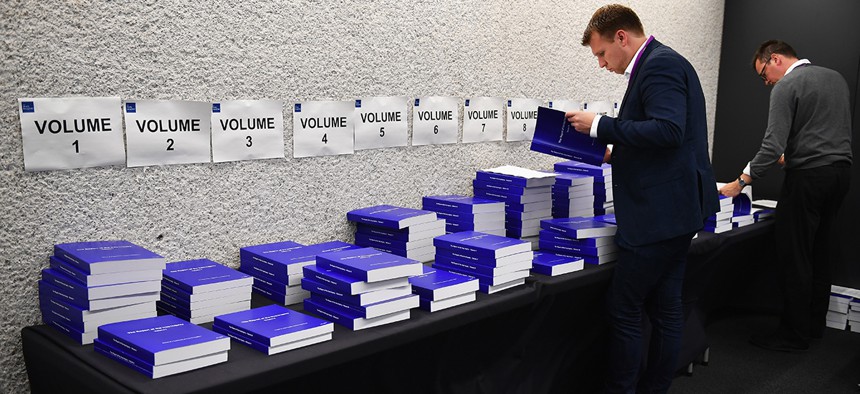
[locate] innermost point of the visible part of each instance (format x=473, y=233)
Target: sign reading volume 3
x=167, y=132
x=247, y=130
x=322, y=128
x=73, y=132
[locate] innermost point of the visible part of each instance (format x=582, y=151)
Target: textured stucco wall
x=296, y=50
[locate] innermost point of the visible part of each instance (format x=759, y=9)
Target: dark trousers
x=808, y=204
x=648, y=278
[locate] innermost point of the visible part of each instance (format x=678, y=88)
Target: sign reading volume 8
x=73, y=132
x=167, y=132
x=322, y=128
x=482, y=119
x=247, y=130
x=522, y=116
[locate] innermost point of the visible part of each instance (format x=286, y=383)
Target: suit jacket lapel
x=637, y=75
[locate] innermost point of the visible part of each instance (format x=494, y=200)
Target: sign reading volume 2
x=167, y=132
x=72, y=132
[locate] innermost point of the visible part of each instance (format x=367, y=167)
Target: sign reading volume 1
x=435, y=120
x=72, y=132
x=322, y=128
x=167, y=132
x=522, y=115
x=483, y=119
x=381, y=122
x=247, y=130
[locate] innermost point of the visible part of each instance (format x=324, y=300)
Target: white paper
x=522, y=116
x=435, y=120
x=520, y=172
x=381, y=122
x=600, y=107
x=247, y=130
x=71, y=132
x=565, y=105
x=167, y=132
x=323, y=128
x=483, y=119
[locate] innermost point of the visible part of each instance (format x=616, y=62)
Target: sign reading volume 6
x=247, y=130
x=167, y=132
x=435, y=120
x=72, y=132
x=482, y=119
x=322, y=128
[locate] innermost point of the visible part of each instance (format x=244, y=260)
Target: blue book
x=113, y=278
x=508, y=188
x=488, y=280
x=279, y=296
x=270, y=257
x=82, y=293
x=511, y=198
x=608, y=218
x=75, y=317
x=437, y=284
x=157, y=371
x=576, y=167
x=516, y=215
x=391, y=244
x=484, y=260
x=338, y=281
x=742, y=204
x=372, y=310
x=321, y=289
x=290, y=262
x=102, y=257
x=203, y=275
x=464, y=204
x=579, y=227
x=81, y=337
x=389, y=216
x=455, y=227
x=553, y=236
x=273, y=325
x=369, y=265
x=515, y=180
x=475, y=269
x=481, y=244
x=350, y=318
x=445, y=303
x=270, y=350
x=162, y=339
x=472, y=218
x=576, y=249
x=555, y=136
x=573, y=179
x=48, y=290
x=428, y=230
x=528, y=207
x=490, y=289
x=552, y=264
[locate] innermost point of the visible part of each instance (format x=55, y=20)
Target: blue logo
x=417, y=101
x=130, y=108
x=467, y=102
x=216, y=108
x=550, y=104
x=357, y=103
x=298, y=107
x=509, y=103
x=585, y=106
x=28, y=107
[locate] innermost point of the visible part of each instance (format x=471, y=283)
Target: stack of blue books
x=572, y=195
x=499, y=263
x=440, y=289
x=93, y=283
x=277, y=267
x=402, y=231
x=199, y=290
x=742, y=214
x=361, y=288
x=591, y=239
x=721, y=221
x=162, y=346
x=273, y=329
x=763, y=209
x=527, y=195
x=463, y=213
x=601, y=189
x=551, y=264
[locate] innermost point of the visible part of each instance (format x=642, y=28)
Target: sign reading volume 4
x=74, y=132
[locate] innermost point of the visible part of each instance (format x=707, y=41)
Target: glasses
x=761, y=74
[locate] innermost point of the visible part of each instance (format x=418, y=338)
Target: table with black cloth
x=546, y=336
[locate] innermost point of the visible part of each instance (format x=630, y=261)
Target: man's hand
x=607, y=155
x=731, y=189
x=781, y=160
x=581, y=121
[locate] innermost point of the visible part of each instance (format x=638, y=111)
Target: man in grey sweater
x=809, y=121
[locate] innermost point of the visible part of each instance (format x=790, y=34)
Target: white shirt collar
x=629, y=68
x=797, y=64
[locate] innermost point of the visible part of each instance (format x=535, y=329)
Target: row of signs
x=65, y=133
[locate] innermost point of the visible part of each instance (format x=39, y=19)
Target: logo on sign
x=28, y=107
x=298, y=107
x=130, y=108
x=550, y=104
x=467, y=102
x=216, y=108
x=417, y=101
x=509, y=103
x=357, y=103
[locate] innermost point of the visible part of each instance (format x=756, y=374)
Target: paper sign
x=522, y=115
x=72, y=132
x=381, y=122
x=483, y=119
x=322, y=128
x=167, y=132
x=565, y=105
x=600, y=107
x=435, y=120
x=247, y=130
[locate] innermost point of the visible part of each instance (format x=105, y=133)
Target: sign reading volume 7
x=247, y=130
x=167, y=132
x=72, y=132
x=322, y=128
x=482, y=119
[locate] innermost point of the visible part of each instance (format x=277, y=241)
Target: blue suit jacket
x=663, y=183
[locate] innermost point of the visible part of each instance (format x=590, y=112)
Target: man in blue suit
x=664, y=190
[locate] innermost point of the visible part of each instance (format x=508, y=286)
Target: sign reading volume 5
x=71, y=132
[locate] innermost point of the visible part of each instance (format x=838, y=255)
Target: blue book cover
x=338, y=281
x=389, y=216
x=436, y=284
x=455, y=227
x=528, y=207
x=156, y=371
x=485, y=279
x=579, y=227
x=291, y=260
x=407, y=234
x=553, y=236
x=81, y=293
x=571, y=248
x=99, y=257
x=204, y=275
x=268, y=257
x=555, y=136
x=742, y=204
x=470, y=217
x=83, y=338
x=505, y=188
x=369, y=265
x=552, y=264
x=273, y=325
x=471, y=268
x=575, y=167
x=481, y=244
x=162, y=339
x=322, y=289
x=573, y=179
x=348, y=317
x=464, y=204
x=114, y=278
x=499, y=196
x=387, y=243
x=372, y=310
x=608, y=218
